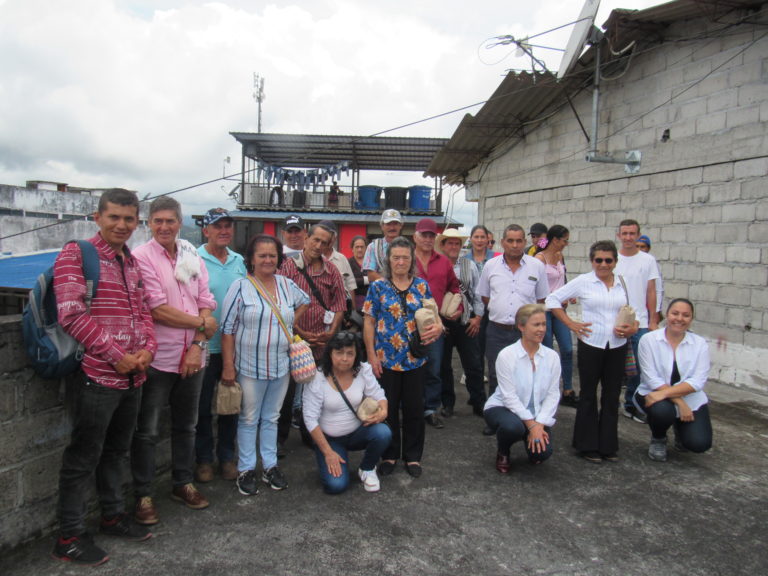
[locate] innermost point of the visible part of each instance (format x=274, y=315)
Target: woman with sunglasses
x=331, y=403
x=602, y=351
x=389, y=331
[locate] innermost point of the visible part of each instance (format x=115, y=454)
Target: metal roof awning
x=363, y=152
x=312, y=217
x=21, y=272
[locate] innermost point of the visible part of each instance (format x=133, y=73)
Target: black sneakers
x=274, y=478
x=246, y=483
x=124, y=527
x=80, y=550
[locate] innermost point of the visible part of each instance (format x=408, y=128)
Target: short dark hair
x=320, y=226
x=603, y=246
x=630, y=222
x=119, y=196
x=477, y=227
x=355, y=239
x=262, y=239
x=399, y=242
x=165, y=203
x=684, y=301
x=513, y=228
x=338, y=341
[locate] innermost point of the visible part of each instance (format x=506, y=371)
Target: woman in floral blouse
x=389, y=331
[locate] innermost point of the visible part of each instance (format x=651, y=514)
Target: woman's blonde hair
x=526, y=311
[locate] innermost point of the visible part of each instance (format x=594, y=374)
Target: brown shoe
x=502, y=463
x=189, y=495
x=229, y=470
x=204, y=473
x=145, y=512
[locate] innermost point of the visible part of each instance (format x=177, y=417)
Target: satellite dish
x=578, y=37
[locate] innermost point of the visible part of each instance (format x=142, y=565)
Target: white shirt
x=599, y=306
x=507, y=291
x=656, y=358
x=342, y=265
x=324, y=406
x=637, y=271
x=517, y=380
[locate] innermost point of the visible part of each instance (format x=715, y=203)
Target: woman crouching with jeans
x=331, y=403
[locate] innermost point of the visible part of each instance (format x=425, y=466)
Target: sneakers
x=229, y=470
x=570, y=400
x=296, y=418
x=246, y=483
x=145, y=512
x=189, y=496
x=80, y=550
x=204, y=473
x=657, y=449
x=634, y=414
x=434, y=421
x=274, y=479
x=124, y=527
x=369, y=479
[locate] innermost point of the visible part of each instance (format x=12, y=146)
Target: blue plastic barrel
x=418, y=197
x=369, y=196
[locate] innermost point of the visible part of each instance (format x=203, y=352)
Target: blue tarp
x=20, y=272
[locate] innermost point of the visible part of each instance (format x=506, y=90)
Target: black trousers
x=405, y=392
x=471, y=361
x=695, y=436
x=597, y=430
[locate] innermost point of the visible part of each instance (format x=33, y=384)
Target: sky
x=142, y=94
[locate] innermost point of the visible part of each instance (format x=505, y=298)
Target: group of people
x=169, y=321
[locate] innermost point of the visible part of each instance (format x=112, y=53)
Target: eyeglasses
x=606, y=260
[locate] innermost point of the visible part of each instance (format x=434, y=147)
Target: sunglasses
x=345, y=338
x=606, y=260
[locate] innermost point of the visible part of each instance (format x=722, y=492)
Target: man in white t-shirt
x=640, y=272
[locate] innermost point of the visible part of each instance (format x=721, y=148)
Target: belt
x=508, y=327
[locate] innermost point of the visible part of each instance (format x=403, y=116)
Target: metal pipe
x=595, y=103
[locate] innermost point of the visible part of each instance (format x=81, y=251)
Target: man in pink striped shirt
x=181, y=304
x=119, y=341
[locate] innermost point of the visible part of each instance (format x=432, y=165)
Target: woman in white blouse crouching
x=524, y=403
x=674, y=366
x=333, y=422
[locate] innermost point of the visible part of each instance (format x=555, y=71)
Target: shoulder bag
x=368, y=407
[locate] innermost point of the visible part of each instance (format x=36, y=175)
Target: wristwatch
x=202, y=343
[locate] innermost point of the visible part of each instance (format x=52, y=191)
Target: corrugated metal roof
x=523, y=100
x=314, y=217
x=363, y=152
x=20, y=272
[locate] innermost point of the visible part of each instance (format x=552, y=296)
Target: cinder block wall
x=702, y=196
x=34, y=430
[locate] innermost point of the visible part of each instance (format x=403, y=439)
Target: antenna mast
x=258, y=93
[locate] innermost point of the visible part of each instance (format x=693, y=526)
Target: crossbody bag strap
x=312, y=286
x=263, y=293
x=623, y=285
x=344, y=396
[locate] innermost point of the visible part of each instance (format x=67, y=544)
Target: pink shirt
x=162, y=287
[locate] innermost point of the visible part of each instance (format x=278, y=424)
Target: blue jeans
x=496, y=339
x=227, y=424
x=373, y=439
x=103, y=420
x=471, y=361
x=183, y=395
x=557, y=329
x=634, y=381
x=510, y=429
x=258, y=416
x=433, y=385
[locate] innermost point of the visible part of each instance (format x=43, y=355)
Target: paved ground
x=695, y=514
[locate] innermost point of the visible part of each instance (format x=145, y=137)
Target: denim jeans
x=258, y=417
x=103, y=420
x=373, y=439
x=696, y=436
x=496, y=339
x=183, y=395
x=433, y=385
x=557, y=329
x=634, y=381
x=226, y=424
x=468, y=348
x=510, y=429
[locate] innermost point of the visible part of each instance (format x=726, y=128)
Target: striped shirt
x=261, y=345
x=599, y=306
x=119, y=321
x=329, y=284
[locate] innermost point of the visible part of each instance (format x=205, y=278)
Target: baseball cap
x=538, y=229
x=391, y=215
x=214, y=215
x=426, y=225
x=645, y=240
x=328, y=224
x=294, y=221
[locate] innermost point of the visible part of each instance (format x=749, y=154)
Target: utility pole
x=258, y=94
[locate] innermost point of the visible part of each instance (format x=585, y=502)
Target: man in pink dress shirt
x=176, y=282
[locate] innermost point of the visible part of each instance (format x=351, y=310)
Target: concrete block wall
x=35, y=428
x=702, y=196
